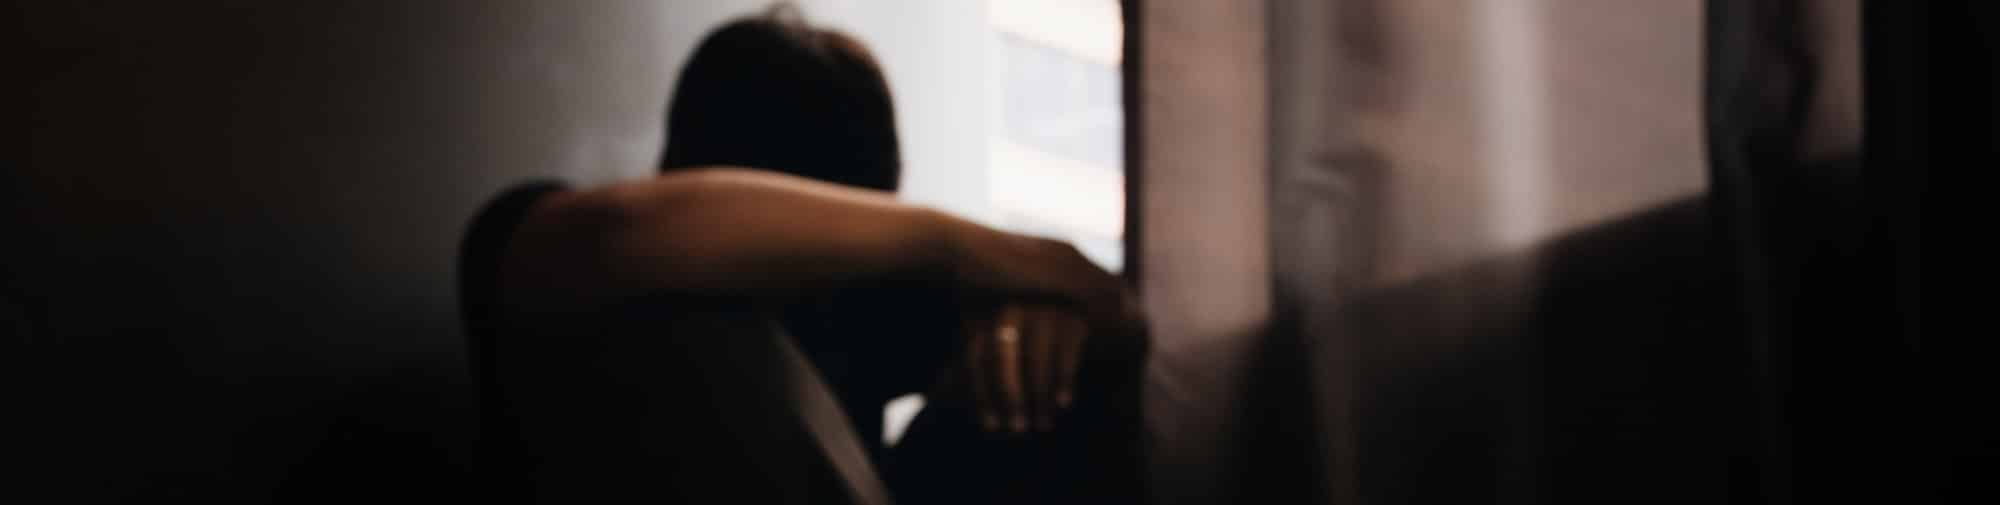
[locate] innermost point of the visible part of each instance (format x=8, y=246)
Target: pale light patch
x=896, y=417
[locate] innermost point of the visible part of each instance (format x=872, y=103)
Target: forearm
x=759, y=233
x=735, y=233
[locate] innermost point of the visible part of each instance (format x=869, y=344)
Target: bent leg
x=683, y=406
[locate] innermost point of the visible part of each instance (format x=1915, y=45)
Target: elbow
x=633, y=238
x=579, y=237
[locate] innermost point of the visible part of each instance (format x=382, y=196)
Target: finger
x=1041, y=365
x=978, y=359
x=1069, y=353
x=1007, y=348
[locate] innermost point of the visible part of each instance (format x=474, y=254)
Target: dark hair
x=770, y=92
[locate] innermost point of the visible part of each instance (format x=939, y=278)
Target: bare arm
x=747, y=233
x=758, y=236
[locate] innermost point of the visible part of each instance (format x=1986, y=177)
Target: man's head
x=771, y=92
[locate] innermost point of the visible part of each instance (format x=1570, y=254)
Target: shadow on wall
x=1582, y=382
x=236, y=220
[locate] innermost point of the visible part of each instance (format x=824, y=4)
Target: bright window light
x=1056, y=159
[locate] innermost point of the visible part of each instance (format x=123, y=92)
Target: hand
x=1006, y=267
x=1034, y=303
x=1021, y=365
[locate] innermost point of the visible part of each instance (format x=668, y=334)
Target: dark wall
x=1586, y=370
x=230, y=228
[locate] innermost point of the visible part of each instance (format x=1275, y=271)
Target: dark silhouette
x=624, y=335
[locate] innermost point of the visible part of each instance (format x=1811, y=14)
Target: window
x=1056, y=157
x=1056, y=164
